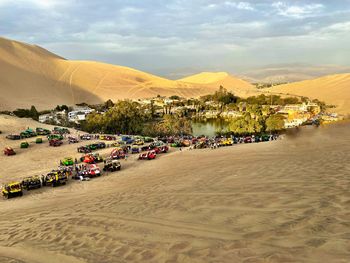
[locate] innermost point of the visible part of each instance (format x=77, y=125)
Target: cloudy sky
x=179, y=37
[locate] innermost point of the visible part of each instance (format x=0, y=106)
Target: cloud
x=297, y=11
x=222, y=34
x=42, y=4
x=240, y=5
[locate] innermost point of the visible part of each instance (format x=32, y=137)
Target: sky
x=173, y=38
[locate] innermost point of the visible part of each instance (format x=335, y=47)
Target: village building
x=79, y=114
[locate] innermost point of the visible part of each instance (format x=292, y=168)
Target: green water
x=208, y=127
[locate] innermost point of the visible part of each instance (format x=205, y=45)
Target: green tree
x=34, y=113
x=274, y=123
x=109, y=104
x=174, y=97
x=170, y=125
x=245, y=125
x=94, y=123
x=223, y=97
x=125, y=117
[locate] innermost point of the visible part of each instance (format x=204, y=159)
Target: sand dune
x=333, y=89
x=238, y=205
x=31, y=75
x=217, y=79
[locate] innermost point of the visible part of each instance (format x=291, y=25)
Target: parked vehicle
x=72, y=140
x=116, y=144
x=42, y=131
x=117, y=153
x=97, y=157
x=186, y=143
x=12, y=189
x=61, y=130
x=101, y=145
x=32, y=182
x=138, y=142
x=145, y=148
x=148, y=155
x=13, y=137
x=86, y=137
x=67, y=161
x=39, y=140
x=127, y=139
x=135, y=150
x=112, y=165
x=55, y=178
x=226, y=142
x=163, y=149
x=28, y=133
x=83, y=149
x=148, y=139
x=9, y=151
x=24, y=145
x=107, y=137
x=92, y=171
x=55, y=143
x=176, y=144
x=55, y=137
x=88, y=158
x=92, y=147
x=247, y=140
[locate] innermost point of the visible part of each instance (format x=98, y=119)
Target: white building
x=45, y=117
x=79, y=114
x=52, y=116
x=294, y=123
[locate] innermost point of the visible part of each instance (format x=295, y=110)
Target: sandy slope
x=333, y=89
x=217, y=79
x=228, y=205
x=30, y=75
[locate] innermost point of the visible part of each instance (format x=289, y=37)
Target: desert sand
x=284, y=201
x=333, y=89
x=31, y=75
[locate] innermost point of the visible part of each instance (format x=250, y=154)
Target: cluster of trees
x=222, y=97
x=124, y=117
x=127, y=117
x=62, y=108
x=170, y=125
x=271, y=100
x=256, y=122
x=268, y=85
x=27, y=113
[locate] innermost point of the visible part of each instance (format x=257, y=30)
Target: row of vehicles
x=91, y=147
x=29, y=133
x=54, y=178
x=58, y=177
x=203, y=142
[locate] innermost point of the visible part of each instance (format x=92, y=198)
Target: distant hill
x=332, y=89
x=291, y=72
x=31, y=75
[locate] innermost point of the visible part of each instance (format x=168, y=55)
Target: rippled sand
x=286, y=201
